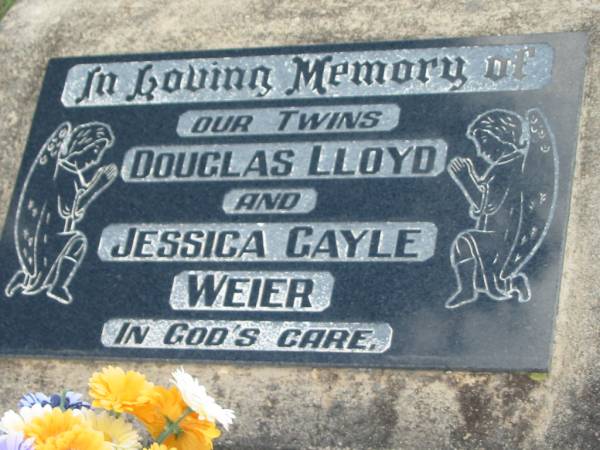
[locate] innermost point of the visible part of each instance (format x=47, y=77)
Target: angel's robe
x=52, y=241
x=498, y=216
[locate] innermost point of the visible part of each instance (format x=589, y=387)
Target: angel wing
x=33, y=199
x=538, y=192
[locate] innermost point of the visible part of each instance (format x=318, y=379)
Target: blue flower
x=33, y=398
x=15, y=441
x=73, y=400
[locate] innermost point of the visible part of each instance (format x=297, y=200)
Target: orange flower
x=166, y=408
x=119, y=391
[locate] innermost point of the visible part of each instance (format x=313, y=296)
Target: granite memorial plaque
x=394, y=204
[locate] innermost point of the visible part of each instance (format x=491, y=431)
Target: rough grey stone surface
x=302, y=408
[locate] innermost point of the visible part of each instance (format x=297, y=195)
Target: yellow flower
x=116, y=431
x=116, y=390
x=61, y=430
x=79, y=438
x=51, y=424
x=159, y=447
x=167, y=407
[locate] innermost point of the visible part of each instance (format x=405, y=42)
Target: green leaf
x=538, y=376
x=5, y=6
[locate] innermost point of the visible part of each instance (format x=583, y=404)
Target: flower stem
x=173, y=426
x=63, y=400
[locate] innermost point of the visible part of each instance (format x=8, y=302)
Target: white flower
x=195, y=396
x=118, y=431
x=13, y=422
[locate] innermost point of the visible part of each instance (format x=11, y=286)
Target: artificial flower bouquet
x=126, y=410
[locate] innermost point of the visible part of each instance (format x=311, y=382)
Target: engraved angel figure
x=511, y=204
x=61, y=184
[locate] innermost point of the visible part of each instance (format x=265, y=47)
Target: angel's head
x=497, y=133
x=87, y=144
